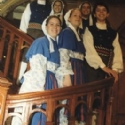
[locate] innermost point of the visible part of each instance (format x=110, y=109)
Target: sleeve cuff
x=102, y=65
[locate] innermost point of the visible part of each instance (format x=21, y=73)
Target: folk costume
x=102, y=49
x=44, y=59
x=33, y=16
x=31, y=23
x=71, y=58
x=72, y=53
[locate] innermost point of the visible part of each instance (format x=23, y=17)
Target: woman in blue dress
x=71, y=53
x=71, y=49
x=44, y=59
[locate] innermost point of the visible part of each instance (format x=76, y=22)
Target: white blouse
x=25, y=18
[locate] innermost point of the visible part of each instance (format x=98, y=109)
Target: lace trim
x=76, y=55
x=52, y=66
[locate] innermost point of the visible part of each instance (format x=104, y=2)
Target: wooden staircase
x=12, y=43
x=29, y=103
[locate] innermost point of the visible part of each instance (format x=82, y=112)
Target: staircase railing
x=29, y=103
x=12, y=44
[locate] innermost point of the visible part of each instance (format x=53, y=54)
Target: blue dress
x=41, y=76
x=72, y=59
x=73, y=51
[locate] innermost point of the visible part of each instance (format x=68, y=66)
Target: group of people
x=73, y=48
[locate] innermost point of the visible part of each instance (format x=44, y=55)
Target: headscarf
x=66, y=17
x=90, y=16
x=52, y=11
x=51, y=47
x=57, y=14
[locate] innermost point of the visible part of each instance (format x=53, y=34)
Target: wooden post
x=4, y=86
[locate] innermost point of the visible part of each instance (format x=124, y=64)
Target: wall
x=116, y=17
x=116, y=11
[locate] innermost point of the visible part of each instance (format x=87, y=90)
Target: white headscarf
x=90, y=16
x=66, y=17
x=57, y=14
x=52, y=11
x=41, y=2
x=51, y=47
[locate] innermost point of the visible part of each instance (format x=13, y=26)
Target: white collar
x=41, y=2
x=51, y=47
x=74, y=30
x=101, y=26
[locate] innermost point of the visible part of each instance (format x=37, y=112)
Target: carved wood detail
x=9, y=5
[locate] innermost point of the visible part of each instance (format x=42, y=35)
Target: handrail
x=18, y=32
x=4, y=86
x=12, y=43
x=52, y=98
x=94, y=86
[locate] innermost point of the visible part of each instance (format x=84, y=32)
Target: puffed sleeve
x=39, y=46
x=117, y=60
x=25, y=19
x=34, y=79
x=92, y=57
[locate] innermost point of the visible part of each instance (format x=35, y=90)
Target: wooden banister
x=4, y=86
x=12, y=43
x=52, y=98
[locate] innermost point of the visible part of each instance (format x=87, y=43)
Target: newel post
x=4, y=86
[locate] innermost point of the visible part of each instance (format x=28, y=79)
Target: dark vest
x=103, y=38
x=85, y=23
x=39, y=12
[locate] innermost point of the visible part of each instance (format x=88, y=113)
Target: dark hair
x=73, y=11
x=100, y=4
x=53, y=16
x=94, y=9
